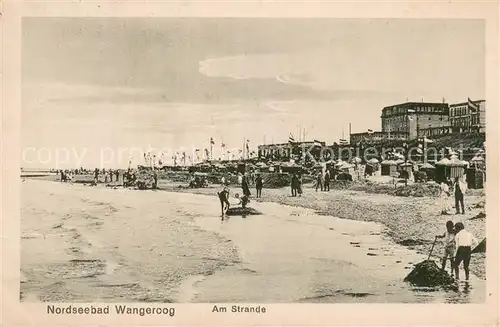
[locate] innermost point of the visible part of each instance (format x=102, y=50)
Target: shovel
x=432, y=248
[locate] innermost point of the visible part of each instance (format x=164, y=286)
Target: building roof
x=466, y=102
x=413, y=102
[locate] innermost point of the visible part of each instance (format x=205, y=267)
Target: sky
x=92, y=85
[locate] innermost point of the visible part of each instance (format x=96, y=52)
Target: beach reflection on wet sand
x=87, y=244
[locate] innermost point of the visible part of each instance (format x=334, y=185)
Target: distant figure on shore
x=449, y=245
x=299, y=184
x=244, y=186
x=258, y=185
x=126, y=177
x=464, y=242
x=224, y=199
x=319, y=181
x=443, y=197
x=155, y=180
x=223, y=180
x=294, y=184
x=117, y=175
x=96, y=176
x=459, y=187
x=327, y=181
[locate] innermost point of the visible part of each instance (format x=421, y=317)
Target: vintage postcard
x=250, y=163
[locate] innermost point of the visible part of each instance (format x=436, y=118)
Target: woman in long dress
x=444, y=194
x=244, y=186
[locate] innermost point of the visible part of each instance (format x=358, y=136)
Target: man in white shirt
x=464, y=242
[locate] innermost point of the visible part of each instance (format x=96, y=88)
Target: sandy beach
x=87, y=244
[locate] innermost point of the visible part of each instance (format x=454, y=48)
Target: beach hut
x=478, y=162
x=406, y=170
x=388, y=167
x=442, y=170
x=457, y=167
x=399, y=161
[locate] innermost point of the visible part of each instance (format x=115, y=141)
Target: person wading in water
x=464, y=241
x=224, y=200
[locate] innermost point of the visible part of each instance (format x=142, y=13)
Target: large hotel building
x=407, y=121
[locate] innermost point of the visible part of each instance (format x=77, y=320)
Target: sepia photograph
x=253, y=160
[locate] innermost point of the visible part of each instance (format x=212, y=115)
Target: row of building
x=407, y=121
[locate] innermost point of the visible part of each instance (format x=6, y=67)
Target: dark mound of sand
x=276, y=180
x=238, y=211
x=481, y=247
x=427, y=273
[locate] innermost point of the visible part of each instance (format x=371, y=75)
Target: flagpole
x=211, y=148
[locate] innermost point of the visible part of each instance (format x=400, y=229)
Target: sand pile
x=276, y=180
x=238, y=211
x=427, y=273
x=418, y=190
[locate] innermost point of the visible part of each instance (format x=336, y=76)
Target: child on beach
x=449, y=247
x=243, y=200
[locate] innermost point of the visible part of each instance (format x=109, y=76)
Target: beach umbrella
x=477, y=159
x=444, y=162
x=406, y=164
x=454, y=161
x=356, y=160
x=427, y=166
x=373, y=161
x=399, y=161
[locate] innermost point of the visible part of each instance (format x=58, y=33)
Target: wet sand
x=96, y=244
x=409, y=221
x=89, y=244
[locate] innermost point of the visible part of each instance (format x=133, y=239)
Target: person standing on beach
x=96, y=176
x=224, y=200
x=244, y=186
x=117, y=175
x=327, y=181
x=299, y=184
x=449, y=246
x=464, y=242
x=319, y=181
x=459, y=188
x=294, y=184
x=443, y=196
x=258, y=185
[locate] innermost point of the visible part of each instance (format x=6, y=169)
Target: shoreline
x=409, y=221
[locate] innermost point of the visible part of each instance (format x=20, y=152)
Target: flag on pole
x=222, y=145
x=291, y=139
x=248, y=145
x=212, y=140
x=472, y=106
